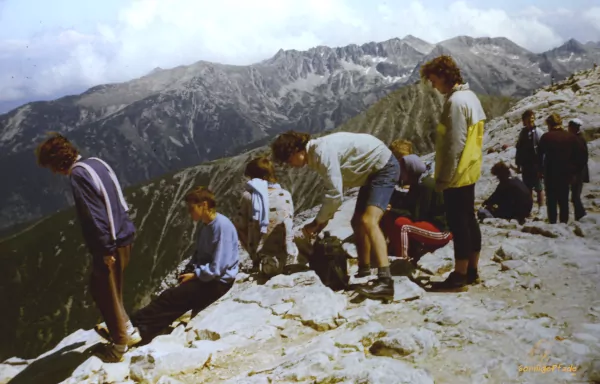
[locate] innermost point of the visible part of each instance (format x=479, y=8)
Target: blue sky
x=52, y=48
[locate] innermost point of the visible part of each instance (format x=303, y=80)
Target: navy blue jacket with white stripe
x=92, y=209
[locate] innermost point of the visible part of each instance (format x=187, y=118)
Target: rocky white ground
x=538, y=305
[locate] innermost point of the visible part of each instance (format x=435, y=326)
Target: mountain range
x=176, y=118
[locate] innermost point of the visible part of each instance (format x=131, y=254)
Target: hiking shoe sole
x=134, y=338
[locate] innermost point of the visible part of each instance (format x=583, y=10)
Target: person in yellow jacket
x=458, y=157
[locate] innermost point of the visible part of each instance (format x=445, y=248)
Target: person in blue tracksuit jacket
x=107, y=230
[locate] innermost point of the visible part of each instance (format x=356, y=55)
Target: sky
x=53, y=48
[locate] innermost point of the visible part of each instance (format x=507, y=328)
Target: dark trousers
x=460, y=214
x=193, y=295
x=106, y=286
x=576, y=199
x=557, y=194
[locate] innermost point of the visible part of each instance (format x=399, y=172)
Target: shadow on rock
x=402, y=267
x=56, y=367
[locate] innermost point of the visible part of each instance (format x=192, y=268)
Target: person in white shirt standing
x=349, y=160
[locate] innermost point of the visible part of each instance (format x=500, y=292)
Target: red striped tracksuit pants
x=402, y=230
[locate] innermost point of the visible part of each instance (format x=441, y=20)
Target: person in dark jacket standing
x=582, y=177
x=107, y=230
x=558, y=151
x=526, y=157
x=511, y=199
x=419, y=217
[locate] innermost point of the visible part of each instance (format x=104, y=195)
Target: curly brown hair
x=287, y=144
x=527, y=114
x=443, y=67
x=198, y=195
x=261, y=168
x=501, y=170
x=56, y=153
x=554, y=120
x=401, y=148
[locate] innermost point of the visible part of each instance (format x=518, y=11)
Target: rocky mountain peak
x=572, y=46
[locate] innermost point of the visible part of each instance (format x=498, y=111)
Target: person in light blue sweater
x=209, y=275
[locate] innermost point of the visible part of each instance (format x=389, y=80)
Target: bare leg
x=540, y=198
x=363, y=248
x=374, y=236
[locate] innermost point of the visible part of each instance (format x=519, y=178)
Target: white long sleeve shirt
x=347, y=160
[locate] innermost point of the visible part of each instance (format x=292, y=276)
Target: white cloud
x=168, y=33
x=593, y=17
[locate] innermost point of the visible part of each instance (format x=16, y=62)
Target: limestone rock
x=355, y=339
x=248, y=321
x=406, y=343
x=405, y=289
x=438, y=262
x=509, y=251
x=150, y=364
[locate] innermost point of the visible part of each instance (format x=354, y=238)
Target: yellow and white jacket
x=459, y=140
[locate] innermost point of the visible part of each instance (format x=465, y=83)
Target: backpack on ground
x=329, y=260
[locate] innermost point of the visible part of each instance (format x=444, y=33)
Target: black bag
x=329, y=260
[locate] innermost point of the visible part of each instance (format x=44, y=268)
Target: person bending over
x=419, y=218
x=346, y=159
x=107, y=231
x=265, y=219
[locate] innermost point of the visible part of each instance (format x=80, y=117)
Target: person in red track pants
x=417, y=218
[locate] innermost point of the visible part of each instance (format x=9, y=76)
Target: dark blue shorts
x=379, y=187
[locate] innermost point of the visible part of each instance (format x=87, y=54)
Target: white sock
x=121, y=347
x=130, y=328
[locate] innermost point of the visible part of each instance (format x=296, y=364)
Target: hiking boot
x=455, y=282
x=382, y=289
x=109, y=353
x=134, y=337
x=363, y=272
x=473, y=276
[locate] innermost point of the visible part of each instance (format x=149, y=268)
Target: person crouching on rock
x=349, y=160
x=265, y=219
x=512, y=198
x=108, y=233
x=214, y=264
x=458, y=158
x=420, y=218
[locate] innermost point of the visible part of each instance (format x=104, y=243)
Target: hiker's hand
x=186, y=277
x=109, y=260
x=312, y=229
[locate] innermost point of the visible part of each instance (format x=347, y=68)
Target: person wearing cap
x=418, y=220
x=560, y=153
x=511, y=199
x=584, y=176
